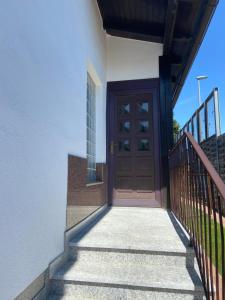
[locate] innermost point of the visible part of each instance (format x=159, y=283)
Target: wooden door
x=132, y=149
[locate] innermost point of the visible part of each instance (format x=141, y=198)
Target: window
x=143, y=126
x=91, y=131
x=124, y=145
x=124, y=109
x=143, y=145
x=143, y=107
x=124, y=126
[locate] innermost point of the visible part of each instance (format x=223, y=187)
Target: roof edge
x=204, y=21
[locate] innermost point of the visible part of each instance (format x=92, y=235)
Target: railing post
x=217, y=112
x=166, y=123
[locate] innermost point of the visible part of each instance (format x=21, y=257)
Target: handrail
x=204, y=159
x=198, y=200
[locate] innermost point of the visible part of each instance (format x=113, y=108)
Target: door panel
x=132, y=148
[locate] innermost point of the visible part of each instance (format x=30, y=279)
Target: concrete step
x=138, y=229
x=131, y=256
x=126, y=274
x=85, y=292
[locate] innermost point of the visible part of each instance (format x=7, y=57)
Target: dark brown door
x=132, y=149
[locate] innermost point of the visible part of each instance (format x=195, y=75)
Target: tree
x=176, y=128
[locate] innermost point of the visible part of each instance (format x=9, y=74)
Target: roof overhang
x=180, y=25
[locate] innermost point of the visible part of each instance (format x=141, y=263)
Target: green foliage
x=176, y=127
x=204, y=227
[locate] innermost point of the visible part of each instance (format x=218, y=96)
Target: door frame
x=120, y=87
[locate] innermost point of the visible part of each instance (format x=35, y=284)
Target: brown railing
x=197, y=200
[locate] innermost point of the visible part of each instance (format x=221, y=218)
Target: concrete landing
x=143, y=229
x=130, y=253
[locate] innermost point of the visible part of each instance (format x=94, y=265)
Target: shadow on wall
x=83, y=199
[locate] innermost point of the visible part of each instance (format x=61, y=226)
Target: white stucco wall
x=46, y=48
x=131, y=59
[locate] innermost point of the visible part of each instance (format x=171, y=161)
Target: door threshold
x=136, y=203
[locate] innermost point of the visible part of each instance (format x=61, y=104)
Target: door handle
x=112, y=146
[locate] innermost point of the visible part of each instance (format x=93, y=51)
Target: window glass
x=143, y=126
x=211, y=118
x=91, y=134
x=143, y=107
x=124, y=145
x=124, y=126
x=143, y=145
x=195, y=128
x=202, y=124
x=124, y=109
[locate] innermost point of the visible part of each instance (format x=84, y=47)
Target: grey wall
x=210, y=147
x=214, y=148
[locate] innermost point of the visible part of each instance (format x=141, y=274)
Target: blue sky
x=209, y=61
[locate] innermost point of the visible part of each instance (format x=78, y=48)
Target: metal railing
x=197, y=194
x=205, y=121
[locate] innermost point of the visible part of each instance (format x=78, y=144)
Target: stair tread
x=133, y=275
x=133, y=249
x=141, y=230
x=118, y=241
x=100, y=256
x=81, y=292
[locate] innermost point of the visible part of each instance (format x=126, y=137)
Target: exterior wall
x=46, y=48
x=130, y=59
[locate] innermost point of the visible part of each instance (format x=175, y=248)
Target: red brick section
x=79, y=194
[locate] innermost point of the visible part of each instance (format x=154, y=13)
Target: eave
x=180, y=25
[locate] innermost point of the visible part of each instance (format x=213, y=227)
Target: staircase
x=131, y=253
